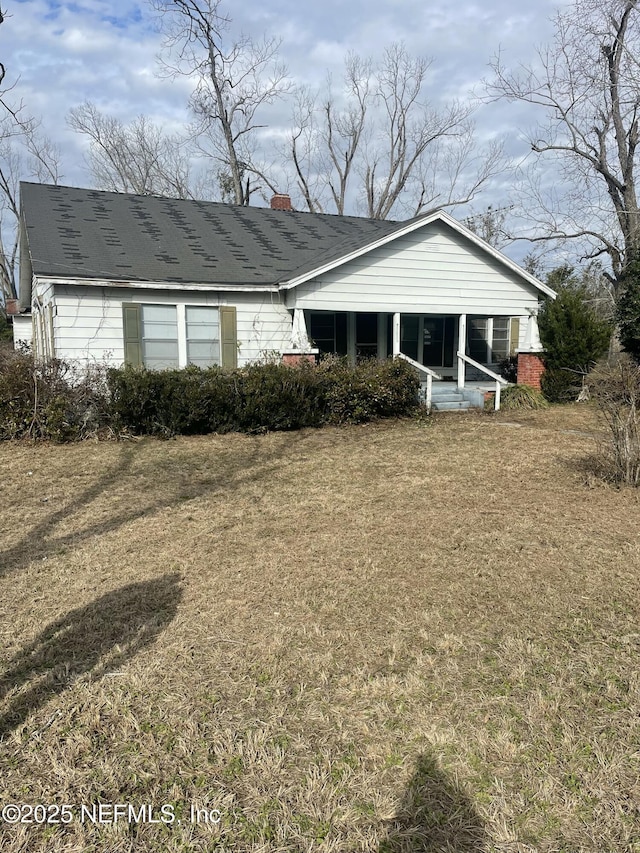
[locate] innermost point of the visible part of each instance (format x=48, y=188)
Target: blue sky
x=64, y=53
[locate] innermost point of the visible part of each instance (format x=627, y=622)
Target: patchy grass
x=401, y=637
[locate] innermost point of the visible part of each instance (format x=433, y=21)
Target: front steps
x=447, y=397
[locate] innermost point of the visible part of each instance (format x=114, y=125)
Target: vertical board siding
x=431, y=270
x=89, y=320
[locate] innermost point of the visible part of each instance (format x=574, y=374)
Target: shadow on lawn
x=96, y=639
x=435, y=817
x=254, y=464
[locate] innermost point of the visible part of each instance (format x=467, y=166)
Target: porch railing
x=431, y=375
x=499, y=380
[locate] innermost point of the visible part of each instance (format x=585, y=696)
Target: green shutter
x=132, y=327
x=228, y=337
x=514, y=337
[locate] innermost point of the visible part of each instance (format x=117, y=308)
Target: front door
x=437, y=341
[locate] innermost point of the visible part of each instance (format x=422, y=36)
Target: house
x=161, y=282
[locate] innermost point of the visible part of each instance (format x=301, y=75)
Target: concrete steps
x=445, y=397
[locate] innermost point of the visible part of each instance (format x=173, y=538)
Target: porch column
x=299, y=336
x=462, y=347
x=532, y=342
x=396, y=334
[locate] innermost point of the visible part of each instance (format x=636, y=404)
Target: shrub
x=517, y=397
x=628, y=310
x=260, y=397
x=174, y=402
x=372, y=389
x=574, y=338
x=50, y=401
x=616, y=390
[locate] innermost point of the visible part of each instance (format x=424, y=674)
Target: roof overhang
x=159, y=285
x=408, y=228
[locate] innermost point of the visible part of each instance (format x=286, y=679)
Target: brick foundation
x=530, y=369
x=295, y=359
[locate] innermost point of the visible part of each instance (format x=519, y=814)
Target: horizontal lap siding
x=89, y=320
x=431, y=270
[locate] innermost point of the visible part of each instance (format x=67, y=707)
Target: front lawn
x=397, y=637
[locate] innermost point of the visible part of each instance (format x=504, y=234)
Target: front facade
x=121, y=279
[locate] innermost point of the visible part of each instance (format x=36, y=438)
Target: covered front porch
x=430, y=340
x=459, y=350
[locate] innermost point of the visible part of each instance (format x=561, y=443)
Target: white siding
x=88, y=321
x=433, y=270
x=22, y=330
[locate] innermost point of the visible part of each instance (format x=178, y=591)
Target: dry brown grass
x=400, y=637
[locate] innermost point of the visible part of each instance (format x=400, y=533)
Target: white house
x=121, y=278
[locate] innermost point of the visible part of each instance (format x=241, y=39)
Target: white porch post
x=396, y=334
x=462, y=347
x=299, y=336
x=532, y=341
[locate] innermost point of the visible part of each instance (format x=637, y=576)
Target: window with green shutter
x=162, y=336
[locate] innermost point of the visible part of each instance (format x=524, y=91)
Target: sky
x=63, y=53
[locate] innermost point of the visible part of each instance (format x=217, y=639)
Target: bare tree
x=381, y=144
x=24, y=153
x=136, y=158
x=588, y=85
x=236, y=79
x=326, y=140
x=490, y=225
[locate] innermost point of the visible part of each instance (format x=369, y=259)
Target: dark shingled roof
x=83, y=233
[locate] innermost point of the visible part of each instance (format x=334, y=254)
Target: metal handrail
x=499, y=380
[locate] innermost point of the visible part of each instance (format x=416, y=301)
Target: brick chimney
x=12, y=306
x=281, y=201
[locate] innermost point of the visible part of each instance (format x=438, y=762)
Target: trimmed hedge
x=259, y=398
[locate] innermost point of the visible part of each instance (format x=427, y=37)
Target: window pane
x=202, y=314
x=203, y=352
x=159, y=313
x=161, y=349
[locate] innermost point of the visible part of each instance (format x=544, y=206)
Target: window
x=203, y=336
x=159, y=336
x=170, y=336
x=492, y=339
x=501, y=343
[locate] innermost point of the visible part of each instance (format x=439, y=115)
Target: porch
x=429, y=342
